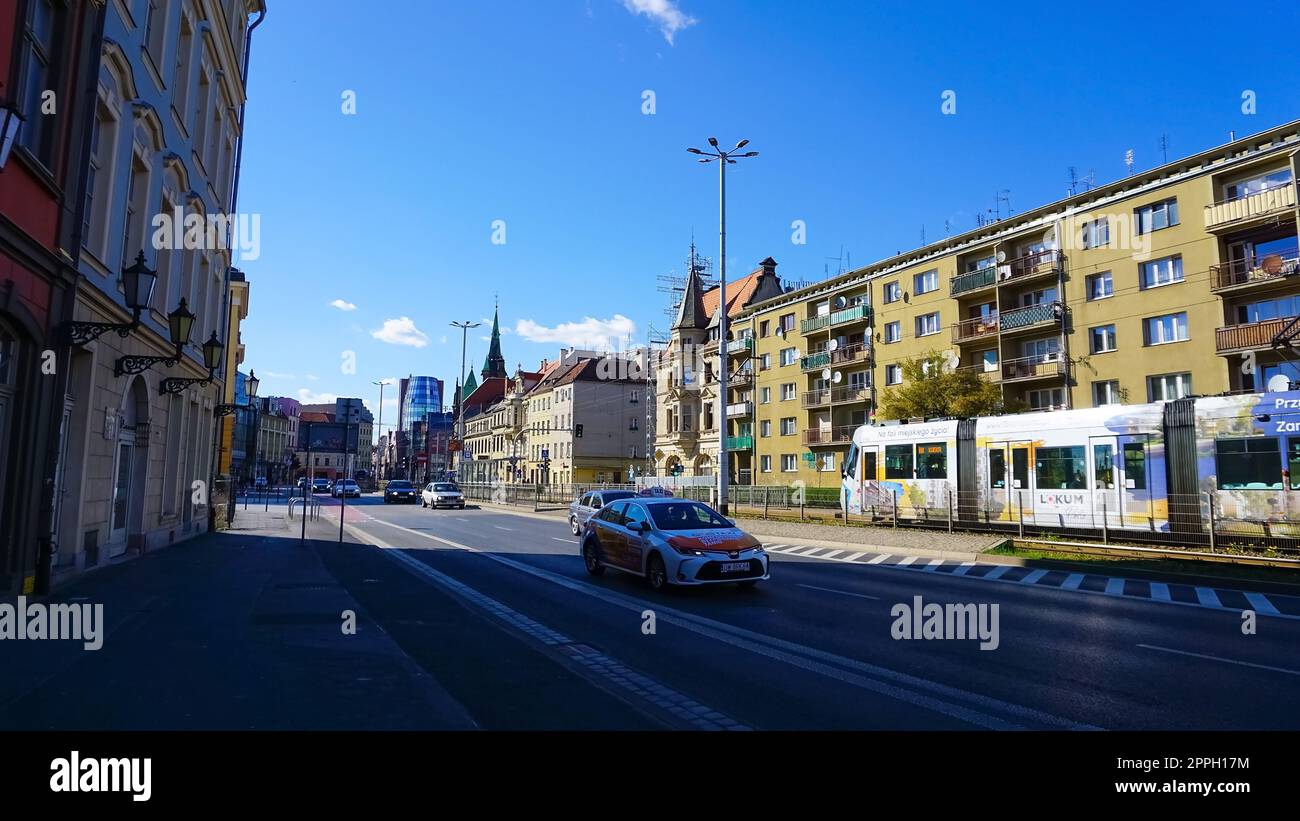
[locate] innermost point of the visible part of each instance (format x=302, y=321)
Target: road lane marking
x=1220, y=658
x=933, y=565
x=1160, y=591
x=831, y=555
x=1072, y=581
x=1114, y=587
x=880, y=558
x=566, y=541
x=1207, y=597
x=840, y=592
x=1261, y=604
x=996, y=572
x=906, y=561
x=1034, y=576
x=828, y=664
x=499, y=527
x=963, y=568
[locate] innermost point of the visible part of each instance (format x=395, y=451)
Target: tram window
x=1293, y=461
x=1020, y=467
x=1103, y=463
x=998, y=469
x=1061, y=468
x=1135, y=466
x=932, y=460
x=851, y=462
x=898, y=461
x=1248, y=464
x=869, y=465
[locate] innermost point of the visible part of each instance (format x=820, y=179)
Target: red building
x=49, y=57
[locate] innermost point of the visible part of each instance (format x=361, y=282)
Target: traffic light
x=577, y=431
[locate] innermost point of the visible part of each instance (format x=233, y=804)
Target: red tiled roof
x=738, y=293
x=314, y=416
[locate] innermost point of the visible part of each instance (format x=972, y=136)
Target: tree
x=933, y=387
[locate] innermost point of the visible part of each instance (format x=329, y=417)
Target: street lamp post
x=724, y=158
x=460, y=400
x=379, y=428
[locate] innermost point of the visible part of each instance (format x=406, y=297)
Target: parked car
x=672, y=541
x=345, y=487
x=442, y=494
x=400, y=490
x=260, y=483
x=302, y=482
x=581, y=509
x=320, y=485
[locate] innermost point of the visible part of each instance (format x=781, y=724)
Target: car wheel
x=573, y=525
x=591, y=558
x=423, y=503
x=656, y=573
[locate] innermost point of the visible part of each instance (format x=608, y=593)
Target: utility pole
x=460, y=418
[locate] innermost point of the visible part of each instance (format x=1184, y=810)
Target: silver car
x=442, y=494
x=581, y=509
x=672, y=541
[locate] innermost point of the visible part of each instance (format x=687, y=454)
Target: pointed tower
x=691, y=313
x=471, y=384
x=494, y=367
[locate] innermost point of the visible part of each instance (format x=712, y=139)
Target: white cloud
x=275, y=375
x=401, y=331
x=311, y=377
x=309, y=397
x=590, y=333
x=343, y=305
x=664, y=13
x=443, y=339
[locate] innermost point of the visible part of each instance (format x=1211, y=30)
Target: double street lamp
x=724, y=159
x=460, y=400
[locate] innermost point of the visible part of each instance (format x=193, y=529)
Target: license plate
x=735, y=567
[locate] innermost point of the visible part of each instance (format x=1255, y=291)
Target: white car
x=442, y=494
x=345, y=487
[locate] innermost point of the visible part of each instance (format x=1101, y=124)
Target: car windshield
x=686, y=516
x=399, y=485
x=445, y=488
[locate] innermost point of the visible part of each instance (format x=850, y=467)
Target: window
x=892, y=292
x=44, y=25
x=1293, y=462
x=980, y=264
x=788, y=356
x=789, y=463
x=1160, y=330
x=989, y=359
x=893, y=374
x=826, y=462
x=1046, y=399
x=1105, y=393
x=1155, y=216
x=1103, y=467
x=893, y=331
x=1020, y=467
x=765, y=428
x=787, y=391
x=1101, y=339
x=1248, y=464
x=765, y=464
x=634, y=424
x=763, y=329
x=1280, y=308
x=1060, y=468
x=1042, y=350
x=925, y=283
x=1169, y=387
x=1095, y=234
x=765, y=362
x=634, y=517
x=764, y=395
x=1100, y=286
x=932, y=460
x=1256, y=184
x=998, y=469
x=1159, y=272
x=155, y=28
x=927, y=324
x=898, y=461
x=786, y=323
x=787, y=426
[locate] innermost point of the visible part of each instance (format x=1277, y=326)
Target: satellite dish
x=1279, y=384
x=1002, y=256
x=840, y=301
x=826, y=373
x=837, y=378
x=835, y=344
x=868, y=333
x=780, y=331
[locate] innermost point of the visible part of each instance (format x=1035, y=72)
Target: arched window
x=102, y=174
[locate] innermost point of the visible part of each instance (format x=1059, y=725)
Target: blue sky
x=531, y=113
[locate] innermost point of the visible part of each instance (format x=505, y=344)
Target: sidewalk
x=239, y=629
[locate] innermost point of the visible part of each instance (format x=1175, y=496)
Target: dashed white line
x=996, y=572
x=1220, y=658
x=499, y=527
x=840, y=592
x=1114, y=587
x=1034, y=576
x=1160, y=591
x=1072, y=581
x=933, y=565
x=880, y=558
x=1207, y=597
x=907, y=561
x=1261, y=604
x=566, y=541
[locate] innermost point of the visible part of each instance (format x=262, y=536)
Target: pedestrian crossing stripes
x=1271, y=604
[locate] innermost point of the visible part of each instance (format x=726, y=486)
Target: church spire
x=494, y=367
x=691, y=313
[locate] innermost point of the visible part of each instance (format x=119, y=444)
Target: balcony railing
x=1031, y=316
x=839, y=435
x=740, y=443
x=1047, y=261
x=1262, y=203
x=815, y=323
x=1249, y=337
x=1033, y=367
x=854, y=313
x=976, y=328
x=851, y=394
x=972, y=281
x=740, y=409
x=814, y=399
x=990, y=374
x=1254, y=270
x=848, y=354
x=743, y=345
x=815, y=361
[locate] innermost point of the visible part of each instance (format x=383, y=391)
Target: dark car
x=320, y=486
x=400, y=490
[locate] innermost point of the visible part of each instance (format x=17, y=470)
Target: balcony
x=850, y=315
x=740, y=409
x=815, y=399
x=839, y=435
x=849, y=354
x=743, y=376
x=1249, y=337
x=1237, y=212
x=814, y=324
x=989, y=375
x=740, y=443
x=1030, y=266
x=851, y=394
x=1032, y=367
x=815, y=361
x=1239, y=275
x=1031, y=318
x=972, y=281
x=744, y=345
x=977, y=328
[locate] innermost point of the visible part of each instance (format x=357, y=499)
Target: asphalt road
x=498, y=607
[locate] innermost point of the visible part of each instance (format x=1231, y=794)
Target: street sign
x=327, y=437
x=546, y=453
